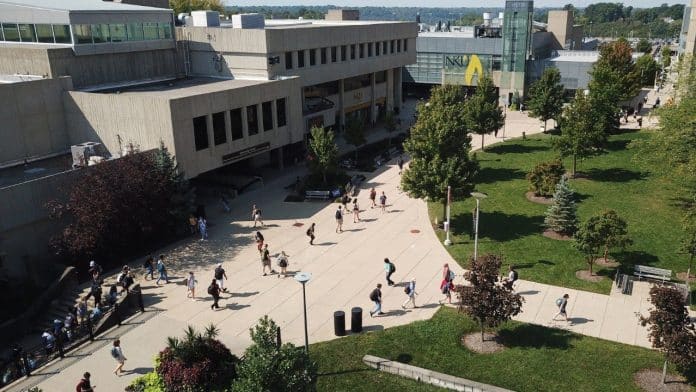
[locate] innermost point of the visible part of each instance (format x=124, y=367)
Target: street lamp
x=448, y=242
x=478, y=196
x=304, y=277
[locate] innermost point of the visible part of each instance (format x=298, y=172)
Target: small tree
x=669, y=331
x=546, y=96
x=323, y=150
x=647, y=67
x=390, y=124
x=643, y=46
x=483, y=115
x=355, y=133
x=544, y=177
x=561, y=216
x=666, y=54
x=589, y=241
x=485, y=300
x=614, y=232
x=268, y=367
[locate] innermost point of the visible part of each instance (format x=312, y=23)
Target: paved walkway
x=345, y=268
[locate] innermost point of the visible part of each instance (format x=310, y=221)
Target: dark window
x=219, y=133
x=384, y=47
x=267, y=109
x=369, y=49
x=398, y=45
x=333, y=54
x=352, y=52
x=62, y=34
x=405, y=45
x=236, y=124
x=252, y=120
x=312, y=57
x=44, y=33
x=391, y=47
x=377, y=47
x=380, y=77
x=362, y=50
x=280, y=112
x=200, y=133
x=323, y=55
x=356, y=82
x=343, y=52
x=288, y=60
x=300, y=58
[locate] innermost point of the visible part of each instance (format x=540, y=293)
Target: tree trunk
x=545, y=126
x=591, y=262
x=482, y=135
x=482, y=335
x=606, y=253
x=575, y=165
x=664, y=372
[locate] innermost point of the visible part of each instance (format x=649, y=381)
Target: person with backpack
x=511, y=278
x=214, y=290
x=339, y=220
x=256, y=215
x=310, y=233
x=149, y=267
x=410, y=291
x=84, y=385
x=389, y=268
x=345, y=199
x=400, y=163
x=203, y=228
x=562, y=303
x=283, y=263
x=356, y=211
x=117, y=355
x=376, y=297
x=447, y=273
x=96, y=293
x=220, y=277
x=383, y=202
x=373, y=196
x=266, y=261
x=95, y=270
x=258, y=237
x=162, y=269
x=191, y=286
x=446, y=289
x=48, y=341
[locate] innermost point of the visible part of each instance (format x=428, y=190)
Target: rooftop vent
x=248, y=21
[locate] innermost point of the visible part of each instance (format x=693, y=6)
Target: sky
x=447, y=3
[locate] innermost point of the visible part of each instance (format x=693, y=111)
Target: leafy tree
x=644, y=46
x=666, y=54
x=669, y=328
x=323, y=150
x=648, y=68
x=390, y=124
x=183, y=196
x=485, y=300
x=581, y=136
x=544, y=177
x=588, y=240
x=482, y=112
x=268, y=367
x=561, y=216
x=601, y=232
x=187, y=6
x=546, y=96
x=439, y=147
x=355, y=133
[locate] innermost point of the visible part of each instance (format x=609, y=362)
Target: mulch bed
x=608, y=263
x=556, y=236
x=651, y=380
x=585, y=275
x=538, y=199
x=473, y=342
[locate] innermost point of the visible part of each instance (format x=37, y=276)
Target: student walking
x=95, y=270
x=266, y=261
x=447, y=273
x=149, y=267
x=214, y=290
x=117, y=354
x=376, y=297
x=96, y=293
x=310, y=233
x=283, y=264
x=383, y=202
x=256, y=215
x=345, y=199
x=373, y=196
x=220, y=277
x=85, y=385
x=339, y=220
x=356, y=211
x=259, y=241
x=446, y=289
x=562, y=303
x=225, y=203
x=203, y=228
x=411, y=293
x=400, y=163
x=191, y=286
x=389, y=268
x=193, y=224
x=510, y=280
x=162, y=270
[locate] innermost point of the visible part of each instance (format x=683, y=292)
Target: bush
x=149, y=382
x=544, y=177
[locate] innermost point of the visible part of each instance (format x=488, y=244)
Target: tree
x=544, y=177
x=666, y=54
x=485, y=300
x=390, y=124
x=644, y=46
x=601, y=232
x=323, y=150
x=270, y=367
x=482, y=112
x=546, y=96
x=648, y=68
x=669, y=328
x=183, y=196
x=355, y=133
x=581, y=136
x=588, y=240
x=561, y=216
x=186, y=6
x=439, y=147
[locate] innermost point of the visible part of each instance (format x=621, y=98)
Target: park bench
x=318, y=195
x=643, y=271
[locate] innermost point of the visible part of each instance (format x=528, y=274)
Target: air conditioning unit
x=81, y=153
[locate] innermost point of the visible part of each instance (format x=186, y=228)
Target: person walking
x=411, y=293
x=373, y=196
x=191, y=286
x=258, y=237
x=339, y=220
x=562, y=303
x=117, y=354
x=85, y=384
x=345, y=199
x=266, y=261
x=162, y=270
x=256, y=215
x=446, y=289
x=149, y=267
x=95, y=270
x=225, y=203
x=82, y=311
x=220, y=277
x=203, y=228
x=193, y=224
x=447, y=273
x=400, y=163
x=356, y=211
x=214, y=290
x=376, y=297
x=383, y=202
x=310, y=233
x=389, y=268
x=510, y=280
x=96, y=293
x=283, y=264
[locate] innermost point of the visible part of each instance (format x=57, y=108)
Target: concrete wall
x=32, y=120
x=24, y=59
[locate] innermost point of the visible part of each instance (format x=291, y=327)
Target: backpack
x=559, y=301
x=392, y=267
x=211, y=289
x=338, y=214
x=218, y=273
x=407, y=290
x=514, y=275
x=373, y=295
x=309, y=231
x=114, y=352
x=451, y=275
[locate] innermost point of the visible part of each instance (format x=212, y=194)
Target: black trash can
x=340, y=323
x=356, y=319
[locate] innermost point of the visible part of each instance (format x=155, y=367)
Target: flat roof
x=37, y=169
x=5, y=79
x=180, y=88
x=576, y=56
x=308, y=23
x=80, y=5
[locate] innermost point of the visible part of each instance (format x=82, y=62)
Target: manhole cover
x=415, y=231
x=298, y=224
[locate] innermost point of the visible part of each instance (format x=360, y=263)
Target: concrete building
x=687, y=37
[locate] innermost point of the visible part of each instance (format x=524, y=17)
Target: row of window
x=84, y=33
x=361, y=50
x=200, y=124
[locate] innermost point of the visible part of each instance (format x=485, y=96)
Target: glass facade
x=517, y=35
x=27, y=33
x=85, y=33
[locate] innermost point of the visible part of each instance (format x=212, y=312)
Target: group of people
x=340, y=212
x=199, y=225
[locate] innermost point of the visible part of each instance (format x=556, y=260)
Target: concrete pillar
x=245, y=126
x=341, y=105
x=373, y=112
x=398, y=88
x=389, y=96
x=228, y=130
x=209, y=129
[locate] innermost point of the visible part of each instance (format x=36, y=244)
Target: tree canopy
x=546, y=96
x=601, y=232
x=187, y=6
x=561, y=216
x=323, y=151
x=482, y=112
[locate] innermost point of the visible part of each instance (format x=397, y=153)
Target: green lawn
x=510, y=225
x=536, y=358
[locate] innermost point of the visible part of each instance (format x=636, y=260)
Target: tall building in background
x=687, y=37
x=517, y=37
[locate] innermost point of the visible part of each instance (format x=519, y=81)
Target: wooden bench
x=642, y=271
x=318, y=195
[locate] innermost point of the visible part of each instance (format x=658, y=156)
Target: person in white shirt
x=411, y=293
x=117, y=354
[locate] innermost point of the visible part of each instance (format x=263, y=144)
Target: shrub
x=149, y=382
x=561, y=216
x=544, y=177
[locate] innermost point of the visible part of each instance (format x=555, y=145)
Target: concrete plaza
x=345, y=267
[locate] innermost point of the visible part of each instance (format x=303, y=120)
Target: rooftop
x=179, y=88
x=576, y=56
x=81, y=5
x=309, y=23
x=5, y=79
x=37, y=169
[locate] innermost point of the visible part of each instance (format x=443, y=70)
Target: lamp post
x=304, y=277
x=448, y=242
x=478, y=196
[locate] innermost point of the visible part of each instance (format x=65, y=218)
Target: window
x=405, y=45
x=44, y=33
x=62, y=34
x=384, y=47
x=236, y=124
x=150, y=31
x=377, y=46
x=135, y=32
x=267, y=110
x=312, y=57
x=288, y=60
x=200, y=133
x=398, y=45
x=26, y=32
x=323, y=55
x=10, y=31
x=333, y=54
x=100, y=33
x=362, y=50
x=300, y=58
x=118, y=32
x=82, y=34
x=391, y=47
x=369, y=49
x=343, y=52
x=219, y=133
x=280, y=112
x=352, y=52
x=165, y=30
x=496, y=63
x=380, y=77
x=252, y=120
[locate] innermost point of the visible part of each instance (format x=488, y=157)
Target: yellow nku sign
x=472, y=64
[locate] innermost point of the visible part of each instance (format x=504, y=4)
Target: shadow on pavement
x=578, y=320
x=536, y=336
x=528, y=292
x=244, y=295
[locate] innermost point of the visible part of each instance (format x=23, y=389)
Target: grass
x=511, y=225
x=536, y=358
